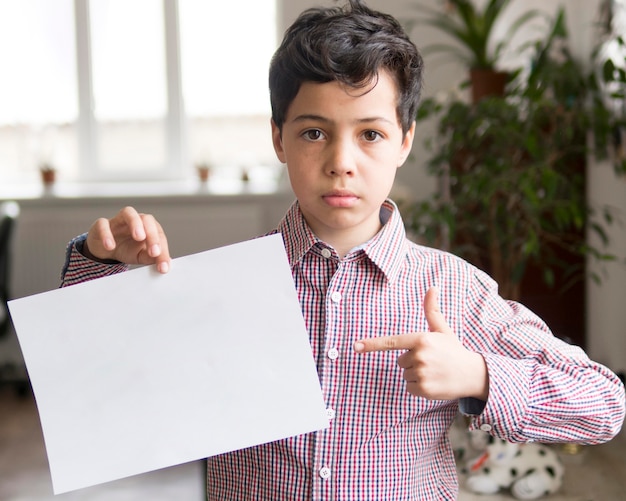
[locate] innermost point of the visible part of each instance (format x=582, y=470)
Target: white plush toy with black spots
x=466, y=444
x=530, y=470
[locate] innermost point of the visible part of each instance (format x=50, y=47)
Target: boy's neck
x=344, y=241
x=344, y=231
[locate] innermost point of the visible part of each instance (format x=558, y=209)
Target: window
x=231, y=83
x=118, y=90
x=129, y=92
x=38, y=89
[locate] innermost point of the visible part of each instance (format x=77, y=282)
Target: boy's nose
x=341, y=160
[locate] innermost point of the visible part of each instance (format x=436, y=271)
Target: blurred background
x=107, y=103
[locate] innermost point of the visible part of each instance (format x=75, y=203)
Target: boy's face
x=342, y=148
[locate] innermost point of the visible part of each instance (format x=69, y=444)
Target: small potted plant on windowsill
x=48, y=174
x=203, y=170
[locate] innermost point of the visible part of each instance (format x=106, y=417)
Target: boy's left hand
x=436, y=365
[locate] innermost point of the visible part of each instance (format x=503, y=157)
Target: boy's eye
x=371, y=135
x=313, y=134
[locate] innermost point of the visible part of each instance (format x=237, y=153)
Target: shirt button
x=335, y=297
x=485, y=427
x=325, y=472
x=326, y=253
x=333, y=353
x=330, y=413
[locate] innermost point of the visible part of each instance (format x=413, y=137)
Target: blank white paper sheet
x=141, y=371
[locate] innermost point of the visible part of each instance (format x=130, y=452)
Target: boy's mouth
x=340, y=198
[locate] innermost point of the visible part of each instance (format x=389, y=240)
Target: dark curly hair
x=350, y=45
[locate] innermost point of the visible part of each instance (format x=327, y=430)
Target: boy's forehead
x=379, y=94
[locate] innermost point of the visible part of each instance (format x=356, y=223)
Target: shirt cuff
x=472, y=406
x=509, y=395
x=78, y=268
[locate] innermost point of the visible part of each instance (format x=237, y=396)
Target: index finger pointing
x=385, y=343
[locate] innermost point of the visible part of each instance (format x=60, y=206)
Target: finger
x=153, y=233
x=163, y=259
x=163, y=262
x=436, y=321
x=100, y=232
x=129, y=220
x=100, y=242
x=386, y=343
x=155, y=247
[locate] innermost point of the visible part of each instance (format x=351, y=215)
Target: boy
x=394, y=367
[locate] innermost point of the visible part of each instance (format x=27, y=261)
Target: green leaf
x=608, y=70
x=548, y=277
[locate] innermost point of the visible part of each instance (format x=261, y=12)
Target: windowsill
x=213, y=187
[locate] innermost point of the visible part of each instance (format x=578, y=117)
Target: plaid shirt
x=383, y=443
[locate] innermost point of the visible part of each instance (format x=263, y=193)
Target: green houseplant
x=470, y=30
x=512, y=169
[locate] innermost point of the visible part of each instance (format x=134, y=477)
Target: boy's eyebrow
x=319, y=118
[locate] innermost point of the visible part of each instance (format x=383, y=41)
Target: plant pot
x=487, y=82
x=204, y=172
x=48, y=177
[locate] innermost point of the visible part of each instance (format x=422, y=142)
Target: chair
x=11, y=373
x=9, y=211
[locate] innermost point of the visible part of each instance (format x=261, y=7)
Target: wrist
x=479, y=378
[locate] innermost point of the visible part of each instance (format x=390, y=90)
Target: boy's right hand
x=128, y=237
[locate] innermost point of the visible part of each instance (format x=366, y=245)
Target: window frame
x=175, y=126
x=186, y=140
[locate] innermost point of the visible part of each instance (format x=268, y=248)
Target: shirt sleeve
x=540, y=387
x=78, y=268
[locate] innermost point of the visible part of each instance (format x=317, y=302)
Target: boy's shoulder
x=425, y=252
x=437, y=262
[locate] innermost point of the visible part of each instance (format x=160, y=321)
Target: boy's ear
x=407, y=144
x=278, y=143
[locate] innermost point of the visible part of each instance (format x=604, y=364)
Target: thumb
x=434, y=317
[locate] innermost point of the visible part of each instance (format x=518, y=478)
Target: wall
x=606, y=302
x=192, y=222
